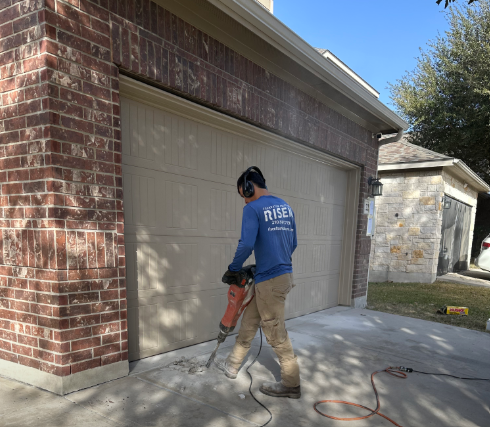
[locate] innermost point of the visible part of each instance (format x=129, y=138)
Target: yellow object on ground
x=449, y=309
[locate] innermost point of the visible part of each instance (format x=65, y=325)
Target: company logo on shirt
x=278, y=215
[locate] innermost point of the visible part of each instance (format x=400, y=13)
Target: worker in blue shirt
x=269, y=229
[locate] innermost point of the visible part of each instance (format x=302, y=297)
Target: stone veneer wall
x=405, y=247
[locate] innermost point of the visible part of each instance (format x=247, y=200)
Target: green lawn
x=423, y=300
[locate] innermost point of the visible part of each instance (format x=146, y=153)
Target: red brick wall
x=62, y=287
x=62, y=295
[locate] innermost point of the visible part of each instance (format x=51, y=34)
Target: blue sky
x=378, y=39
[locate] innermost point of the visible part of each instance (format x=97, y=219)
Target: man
x=268, y=228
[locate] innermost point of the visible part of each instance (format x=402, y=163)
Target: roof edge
x=267, y=26
x=476, y=182
x=420, y=164
x=465, y=169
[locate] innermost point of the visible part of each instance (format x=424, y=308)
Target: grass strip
x=421, y=301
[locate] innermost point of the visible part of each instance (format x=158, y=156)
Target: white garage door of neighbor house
x=182, y=217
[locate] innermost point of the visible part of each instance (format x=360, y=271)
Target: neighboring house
x=125, y=125
x=426, y=215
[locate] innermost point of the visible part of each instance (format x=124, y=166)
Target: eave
x=454, y=166
x=265, y=40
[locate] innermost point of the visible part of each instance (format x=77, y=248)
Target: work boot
x=229, y=371
x=280, y=390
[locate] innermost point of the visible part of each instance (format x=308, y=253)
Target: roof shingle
x=405, y=152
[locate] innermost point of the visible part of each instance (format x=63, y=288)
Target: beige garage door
x=183, y=216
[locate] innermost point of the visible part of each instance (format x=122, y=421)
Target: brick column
x=62, y=288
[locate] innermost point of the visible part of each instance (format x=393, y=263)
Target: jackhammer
x=239, y=296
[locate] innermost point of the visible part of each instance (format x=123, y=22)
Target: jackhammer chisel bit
x=211, y=359
x=221, y=338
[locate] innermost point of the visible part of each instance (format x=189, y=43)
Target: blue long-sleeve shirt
x=269, y=229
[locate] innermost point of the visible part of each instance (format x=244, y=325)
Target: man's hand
x=231, y=277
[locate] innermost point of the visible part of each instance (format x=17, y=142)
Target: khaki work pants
x=267, y=310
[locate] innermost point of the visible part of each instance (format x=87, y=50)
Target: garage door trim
x=160, y=99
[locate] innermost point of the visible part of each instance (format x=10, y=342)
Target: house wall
x=454, y=187
x=62, y=261
x=268, y=4
x=405, y=247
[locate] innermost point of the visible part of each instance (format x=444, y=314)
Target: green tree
x=446, y=99
x=447, y=2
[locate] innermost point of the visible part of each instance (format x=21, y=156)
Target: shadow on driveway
x=337, y=350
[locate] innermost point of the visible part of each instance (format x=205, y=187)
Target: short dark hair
x=252, y=176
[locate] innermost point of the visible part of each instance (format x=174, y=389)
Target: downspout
x=395, y=138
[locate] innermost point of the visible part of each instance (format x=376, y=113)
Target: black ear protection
x=248, y=188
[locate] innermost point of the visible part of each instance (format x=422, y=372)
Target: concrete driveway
x=338, y=349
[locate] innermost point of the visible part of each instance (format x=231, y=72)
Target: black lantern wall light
x=447, y=202
x=376, y=186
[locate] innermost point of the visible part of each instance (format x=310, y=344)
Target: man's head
x=256, y=179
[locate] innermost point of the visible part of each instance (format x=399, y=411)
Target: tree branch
x=452, y=1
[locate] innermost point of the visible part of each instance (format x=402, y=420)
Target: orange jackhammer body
x=239, y=297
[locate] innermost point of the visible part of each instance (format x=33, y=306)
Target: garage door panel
x=293, y=176
x=169, y=265
x=180, y=205
x=143, y=324
x=224, y=210
x=301, y=215
x=145, y=265
x=312, y=294
x=220, y=255
x=165, y=323
x=154, y=139
x=183, y=221
x=140, y=195
x=313, y=259
x=326, y=258
x=315, y=219
x=232, y=154
x=339, y=182
x=331, y=295
x=300, y=259
x=328, y=221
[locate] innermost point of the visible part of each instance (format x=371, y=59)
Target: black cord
x=452, y=376
x=251, y=382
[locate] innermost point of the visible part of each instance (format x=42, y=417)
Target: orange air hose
x=392, y=371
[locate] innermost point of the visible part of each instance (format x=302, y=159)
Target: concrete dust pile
x=190, y=366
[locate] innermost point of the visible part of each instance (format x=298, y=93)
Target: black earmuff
x=248, y=188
